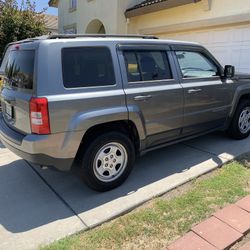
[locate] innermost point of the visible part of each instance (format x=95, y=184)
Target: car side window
x=87, y=67
x=147, y=65
x=132, y=65
x=196, y=64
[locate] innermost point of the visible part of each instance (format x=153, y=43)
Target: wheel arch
x=242, y=92
x=127, y=127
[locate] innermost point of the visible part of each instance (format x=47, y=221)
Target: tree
x=19, y=22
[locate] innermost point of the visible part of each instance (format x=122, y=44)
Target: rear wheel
x=107, y=161
x=240, y=124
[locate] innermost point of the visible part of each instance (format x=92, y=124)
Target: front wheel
x=108, y=161
x=240, y=124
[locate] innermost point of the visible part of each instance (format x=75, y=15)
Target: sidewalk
x=221, y=231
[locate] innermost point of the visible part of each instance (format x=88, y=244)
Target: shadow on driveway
x=25, y=202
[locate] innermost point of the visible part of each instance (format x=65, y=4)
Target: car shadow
x=25, y=202
x=31, y=197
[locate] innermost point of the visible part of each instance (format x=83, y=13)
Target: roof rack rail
x=61, y=36
x=27, y=40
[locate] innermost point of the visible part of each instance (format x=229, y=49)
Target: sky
x=43, y=4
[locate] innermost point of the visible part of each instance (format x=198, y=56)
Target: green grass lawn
x=162, y=220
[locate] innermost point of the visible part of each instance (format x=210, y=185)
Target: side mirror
x=229, y=71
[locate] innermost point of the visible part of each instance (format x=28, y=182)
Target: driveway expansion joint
x=205, y=151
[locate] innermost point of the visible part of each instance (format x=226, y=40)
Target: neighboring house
x=51, y=23
x=223, y=26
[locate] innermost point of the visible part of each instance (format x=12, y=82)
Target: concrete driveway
x=39, y=206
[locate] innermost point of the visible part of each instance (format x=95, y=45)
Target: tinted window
x=87, y=67
x=19, y=69
x=132, y=67
x=195, y=64
x=5, y=59
x=147, y=65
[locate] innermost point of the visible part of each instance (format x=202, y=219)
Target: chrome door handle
x=191, y=91
x=142, y=97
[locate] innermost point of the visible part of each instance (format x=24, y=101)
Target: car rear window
x=19, y=69
x=87, y=67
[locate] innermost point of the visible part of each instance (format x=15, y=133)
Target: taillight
x=39, y=116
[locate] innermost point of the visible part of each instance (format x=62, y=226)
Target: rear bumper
x=47, y=150
x=41, y=159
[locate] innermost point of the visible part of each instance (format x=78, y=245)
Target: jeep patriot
x=104, y=100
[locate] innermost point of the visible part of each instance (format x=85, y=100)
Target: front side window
x=87, y=67
x=147, y=65
x=195, y=64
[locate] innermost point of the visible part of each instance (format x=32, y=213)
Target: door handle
x=191, y=91
x=142, y=97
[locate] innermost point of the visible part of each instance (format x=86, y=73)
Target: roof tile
x=51, y=22
x=145, y=3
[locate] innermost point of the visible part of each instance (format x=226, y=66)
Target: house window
x=73, y=4
x=70, y=30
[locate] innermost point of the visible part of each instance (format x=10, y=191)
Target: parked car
x=105, y=100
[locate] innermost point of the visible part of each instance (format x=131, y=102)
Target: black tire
x=234, y=128
x=88, y=167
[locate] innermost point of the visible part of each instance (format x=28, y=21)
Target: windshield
x=18, y=67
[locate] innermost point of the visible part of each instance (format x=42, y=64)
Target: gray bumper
x=47, y=150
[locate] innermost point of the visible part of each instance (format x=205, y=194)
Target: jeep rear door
x=206, y=96
x=152, y=89
x=19, y=76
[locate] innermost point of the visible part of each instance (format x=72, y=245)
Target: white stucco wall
x=65, y=18
x=111, y=14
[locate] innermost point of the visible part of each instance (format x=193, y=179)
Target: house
x=51, y=23
x=223, y=26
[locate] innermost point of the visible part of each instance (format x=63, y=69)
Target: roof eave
x=157, y=7
x=53, y=3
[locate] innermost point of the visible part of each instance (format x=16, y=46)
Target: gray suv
x=104, y=100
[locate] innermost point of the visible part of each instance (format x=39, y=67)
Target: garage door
x=230, y=45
